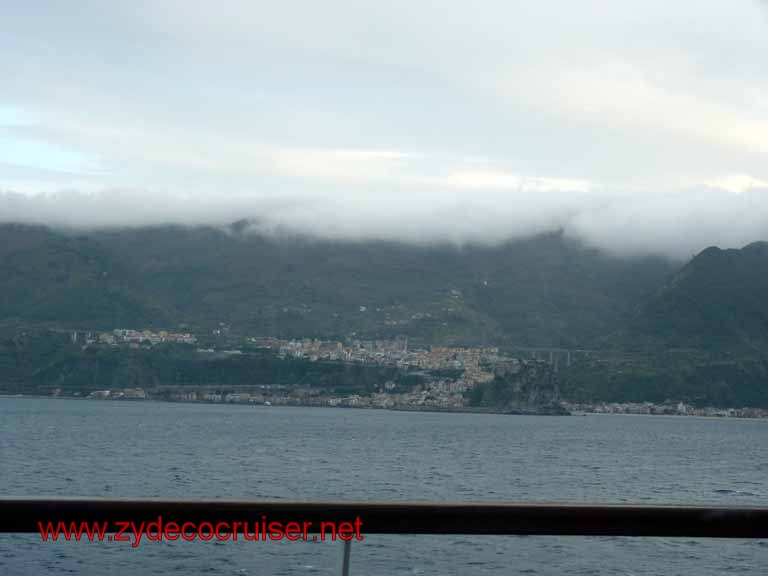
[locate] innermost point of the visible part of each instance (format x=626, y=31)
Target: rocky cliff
x=526, y=387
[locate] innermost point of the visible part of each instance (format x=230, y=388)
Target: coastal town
x=453, y=372
x=475, y=364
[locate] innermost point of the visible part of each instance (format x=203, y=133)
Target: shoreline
x=467, y=410
x=433, y=409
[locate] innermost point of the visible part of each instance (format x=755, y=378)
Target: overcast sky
x=635, y=126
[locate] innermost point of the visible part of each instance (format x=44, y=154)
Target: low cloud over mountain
x=636, y=127
x=673, y=224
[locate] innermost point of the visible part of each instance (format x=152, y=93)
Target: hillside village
x=453, y=372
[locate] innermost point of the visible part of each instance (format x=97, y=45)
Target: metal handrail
x=22, y=515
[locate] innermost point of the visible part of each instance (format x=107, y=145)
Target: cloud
x=635, y=127
x=616, y=94
x=676, y=225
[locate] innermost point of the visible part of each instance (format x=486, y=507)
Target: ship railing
x=24, y=515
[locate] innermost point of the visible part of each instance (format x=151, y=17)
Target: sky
x=636, y=127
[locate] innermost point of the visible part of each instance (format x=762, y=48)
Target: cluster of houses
x=124, y=394
x=476, y=364
x=133, y=338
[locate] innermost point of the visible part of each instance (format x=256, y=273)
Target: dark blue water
x=92, y=448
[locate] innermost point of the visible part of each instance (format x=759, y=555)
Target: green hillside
x=542, y=291
x=702, y=338
x=656, y=330
x=719, y=300
x=69, y=280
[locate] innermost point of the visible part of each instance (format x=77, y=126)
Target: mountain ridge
x=546, y=290
x=694, y=331
x=715, y=301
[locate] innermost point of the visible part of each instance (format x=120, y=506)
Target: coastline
x=466, y=410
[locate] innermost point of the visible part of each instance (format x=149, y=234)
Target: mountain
x=702, y=337
x=654, y=330
x=719, y=300
x=542, y=291
x=68, y=280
